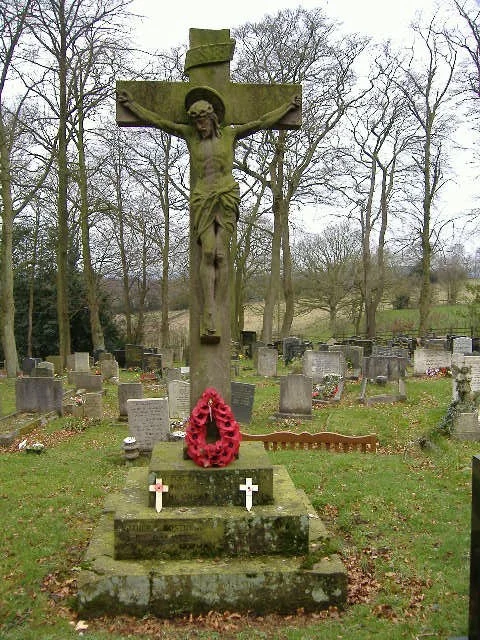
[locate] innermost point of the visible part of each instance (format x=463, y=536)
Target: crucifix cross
x=159, y=489
x=210, y=112
x=249, y=488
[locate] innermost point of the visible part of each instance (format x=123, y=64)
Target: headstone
x=473, y=362
x=134, y=356
x=179, y=399
x=267, y=360
x=81, y=361
x=318, y=364
x=148, y=421
x=28, y=364
x=427, y=359
x=128, y=391
x=247, y=340
x=366, y=344
x=462, y=344
x=243, y=396
x=295, y=396
x=167, y=356
x=352, y=353
x=39, y=395
x=119, y=355
x=93, y=407
x=105, y=355
x=109, y=369
x=84, y=380
x=152, y=362
x=173, y=373
x=44, y=370
x=57, y=363
x=390, y=367
x=294, y=347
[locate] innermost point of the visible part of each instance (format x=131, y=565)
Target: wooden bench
x=325, y=440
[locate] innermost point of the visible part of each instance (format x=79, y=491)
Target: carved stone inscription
x=148, y=421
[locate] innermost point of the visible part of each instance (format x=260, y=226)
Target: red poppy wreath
x=212, y=408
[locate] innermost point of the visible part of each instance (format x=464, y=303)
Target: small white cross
x=159, y=489
x=249, y=488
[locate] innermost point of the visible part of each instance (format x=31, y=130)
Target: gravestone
x=43, y=370
x=173, y=373
x=109, y=369
x=366, y=344
x=424, y=359
x=179, y=399
x=295, y=396
x=352, y=353
x=81, y=361
x=152, y=362
x=39, y=395
x=243, y=396
x=28, y=364
x=473, y=362
x=93, y=406
x=57, y=363
x=462, y=344
x=84, y=380
x=128, y=391
x=247, y=340
x=134, y=356
x=391, y=367
x=148, y=421
x=105, y=355
x=318, y=364
x=294, y=347
x=119, y=355
x=267, y=360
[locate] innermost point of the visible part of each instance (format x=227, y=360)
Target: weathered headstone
x=148, y=421
x=179, y=399
x=39, y=395
x=243, y=396
x=295, y=396
x=152, y=362
x=173, y=373
x=93, y=407
x=85, y=380
x=425, y=359
x=134, y=356
x=57, y=363
x=247, y=340
x=81, y=361
x=391, y=367
x=267, y=360
x=473, y=362
x=128, y=391
x=43, y=370
x=352, y=353
x=28, y=364
x=318, y=364
x=109, y=369
x=462, y=344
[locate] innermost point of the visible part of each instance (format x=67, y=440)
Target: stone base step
x=167, y=588
x=207, y=531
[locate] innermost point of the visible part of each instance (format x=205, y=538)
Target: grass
x=400, y=519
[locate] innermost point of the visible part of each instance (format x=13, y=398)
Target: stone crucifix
x=210, y=113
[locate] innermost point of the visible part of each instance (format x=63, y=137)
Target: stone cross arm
x=243, y=102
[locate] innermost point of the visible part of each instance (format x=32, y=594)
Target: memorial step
x=207, y=531
x=166, y=588
x=191, y=485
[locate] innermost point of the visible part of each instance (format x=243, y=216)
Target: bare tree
x=294, y=46
x=426, y=86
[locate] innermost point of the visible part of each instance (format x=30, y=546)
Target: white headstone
x=179, y=399
x=462, y=344
x=81, y=361
x=318, y=364
x=424, y=359
x=148, y=421
x=267, y=360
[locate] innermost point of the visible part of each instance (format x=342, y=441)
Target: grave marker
x=295, y=396
x=128, y=391
x=243, y=396
x=267, y=360
x=424, y=359
x=148, y=421
x=318, y=364
x=179, y=399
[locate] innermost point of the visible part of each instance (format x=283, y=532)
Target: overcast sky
x=167, y=24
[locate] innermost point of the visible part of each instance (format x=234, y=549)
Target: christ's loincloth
x=215, y=205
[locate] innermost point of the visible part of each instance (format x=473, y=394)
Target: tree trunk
x=6, y=286
x=93, y=298
x=288, y=292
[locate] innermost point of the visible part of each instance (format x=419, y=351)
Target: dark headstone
x=28, y=364
x=39, y=395
x=242, y=395
x=134, y=356
x=247, y=340
x=120, y=357
x=152, y=362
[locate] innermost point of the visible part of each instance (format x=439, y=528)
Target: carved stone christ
x=215, y=196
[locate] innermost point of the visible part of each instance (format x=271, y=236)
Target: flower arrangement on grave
x=438, y=372
x=211, y=409
x=327, y=389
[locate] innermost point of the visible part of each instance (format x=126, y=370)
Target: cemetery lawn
x=400, y=519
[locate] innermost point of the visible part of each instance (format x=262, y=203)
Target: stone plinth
x=191, y=485
x=201, y=531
